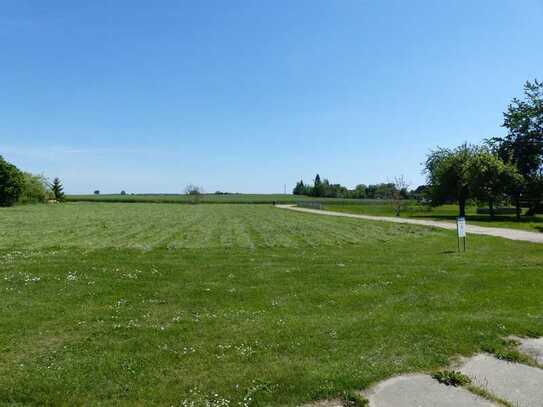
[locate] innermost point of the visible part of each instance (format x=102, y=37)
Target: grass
x=447, y=213
x=230, y=305
x=375, y=207
x=481, y=392
x=451, y=378
x=508, y=350
x=352, y=399
x=169, y=226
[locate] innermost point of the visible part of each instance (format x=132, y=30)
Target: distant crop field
x=205, y=198
x=242, y=305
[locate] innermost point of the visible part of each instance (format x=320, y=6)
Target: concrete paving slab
x=532, y=347
x=519, y=384
x=421, y=391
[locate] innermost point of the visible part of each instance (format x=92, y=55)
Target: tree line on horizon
x=324, y=189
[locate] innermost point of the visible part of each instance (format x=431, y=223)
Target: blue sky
x=250, y=95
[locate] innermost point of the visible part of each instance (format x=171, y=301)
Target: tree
x=523, y=144
x=421, y=193
x=299, y=189
x=11, y=183
x=123, y=192
x=380, y=191
x=385, y=190
x=97, y=192
x=371, y=191
x=359, y=191
x=318, y=189
x=325, y=188
x=194, y=192
x=491, y=179
x=335, y=190
x=35, y=189
x=399, y=193
x=58, y=190
x=449, y=176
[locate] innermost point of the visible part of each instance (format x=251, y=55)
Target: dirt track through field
x=512, y=234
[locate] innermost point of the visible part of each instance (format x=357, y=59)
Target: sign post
x=461, y=229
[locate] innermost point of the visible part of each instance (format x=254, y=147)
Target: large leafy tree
x=448, y=173
x=491, y=179
x=11, y=183
x=523, y=144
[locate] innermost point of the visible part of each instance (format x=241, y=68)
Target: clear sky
x=148, y=96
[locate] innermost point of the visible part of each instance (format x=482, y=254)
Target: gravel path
x=512, y=234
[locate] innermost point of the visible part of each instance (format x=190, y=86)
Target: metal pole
x=457, y=235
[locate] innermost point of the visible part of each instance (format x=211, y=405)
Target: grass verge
x=446, y=213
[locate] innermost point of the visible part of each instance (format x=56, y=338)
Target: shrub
x=11, y=183
x=194, y=192
x=35, y=189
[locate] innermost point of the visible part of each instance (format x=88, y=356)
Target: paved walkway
x=505, y=384
x=512, y=234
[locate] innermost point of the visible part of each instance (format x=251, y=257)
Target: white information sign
x=461, y=226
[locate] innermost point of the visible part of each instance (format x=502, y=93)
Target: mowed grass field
x=242, y=305
x=375, y=207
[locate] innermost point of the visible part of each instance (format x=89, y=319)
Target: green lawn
x=447, y=213
x=234, y=305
